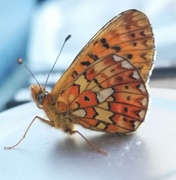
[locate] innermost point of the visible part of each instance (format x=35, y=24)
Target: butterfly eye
x=41, y=96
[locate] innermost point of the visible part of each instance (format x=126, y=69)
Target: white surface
x=47, y=153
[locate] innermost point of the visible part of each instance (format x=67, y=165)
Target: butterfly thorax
x=44, y=100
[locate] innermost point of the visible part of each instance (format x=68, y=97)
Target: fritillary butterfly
x=104, y=89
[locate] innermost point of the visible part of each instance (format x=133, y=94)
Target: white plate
x=47, y=153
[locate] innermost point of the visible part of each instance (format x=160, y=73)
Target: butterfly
x=104, y=89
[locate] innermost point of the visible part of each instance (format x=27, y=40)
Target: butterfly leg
x=24, y=135
x=91, y=144
x=46, y=121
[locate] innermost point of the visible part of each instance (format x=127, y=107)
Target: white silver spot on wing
x=136, y=75
x=144, y=102
x=117, y=58
x=79, y=112
x=142, y=88
x=136, y=124
x=127, y=65
x=104, y=94
x=142, y=114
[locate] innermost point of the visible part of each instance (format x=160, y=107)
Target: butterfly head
x=38, y=95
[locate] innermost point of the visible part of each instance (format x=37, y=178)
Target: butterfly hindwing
x=109, y=95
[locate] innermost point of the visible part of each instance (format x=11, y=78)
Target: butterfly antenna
x=20, y=61
x=66, y=39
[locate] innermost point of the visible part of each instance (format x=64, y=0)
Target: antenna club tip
x=68, y=37
x=20, y=61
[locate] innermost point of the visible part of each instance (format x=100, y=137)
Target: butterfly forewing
x=128, y=35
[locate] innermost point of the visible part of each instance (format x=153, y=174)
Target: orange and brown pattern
x=128, y=35
x=104, y=89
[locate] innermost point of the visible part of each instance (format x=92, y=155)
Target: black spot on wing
x=93, y=56
x=85, y=63
x=116, y=48
x=104, y=43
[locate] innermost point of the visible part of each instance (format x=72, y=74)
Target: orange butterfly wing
x=128, y=35
x=104, y=88
x=108, y=96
